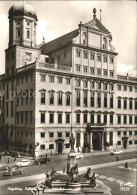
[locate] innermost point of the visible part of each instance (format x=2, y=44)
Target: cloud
x=123, y=69
x=43, y=30
x=4, y=40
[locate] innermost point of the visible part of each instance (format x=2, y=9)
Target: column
x=82, y=139
x=102, y=147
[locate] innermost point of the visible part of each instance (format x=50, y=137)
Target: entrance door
x=95, y=141
x=59, y=147
x=125, y=143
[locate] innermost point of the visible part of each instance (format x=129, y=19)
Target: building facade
x=68, y=85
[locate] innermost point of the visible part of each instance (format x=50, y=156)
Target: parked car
x=77, y=155
x=23, y=163
x=41, y=160
x=13, y=171
x=3, y=167
x=116, y=152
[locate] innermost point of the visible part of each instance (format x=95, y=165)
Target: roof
x=59, y=42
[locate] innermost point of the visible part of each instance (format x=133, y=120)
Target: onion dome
x=22, y=8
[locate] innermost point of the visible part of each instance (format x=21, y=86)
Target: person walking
x=126, y=166
x=117, y=159
x=8, y=161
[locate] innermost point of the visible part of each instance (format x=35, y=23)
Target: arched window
x=84, y=38
x=18, y=33
x=28, y=34
x=104, y=43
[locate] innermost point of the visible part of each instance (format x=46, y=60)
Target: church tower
x=22, y=24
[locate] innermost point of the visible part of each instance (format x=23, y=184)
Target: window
x=130, y=142
x=111, y=73
x=67, y=118
x=92, y=99
x=51, y=118
x=105, y=118
x=67, y=99
x=78, y=82
x=42, y=135
x=111, y=100
x=78, y=68
x=26, y=117
x=92, y=85
x=119, y=119
x=42, y=117
x=111, y=119
x=130, y=104
x=98, y=118
x=42, y=147
x=78, y=98
x=99, y=85
x=43, y=98
x=51, y=134
x=130, y=88
x=84, y=36
x=135, y=132
x=85, y=84
x=51, y=98
x=92, y=56
x=60, y=80
x=58, y=58
x=51, y=146
x=85, y=118
x=119, y=133
x=135, y=119
x=28, y=56
x=111, y=60
x=125, y=119
x=77, y=118
x=99, y=58
x=125, y=104
x=85, y=55
x=98, y=100
x=105, y=100
x=92, y=118
x=125, y=88
x=59, y=134
x=125, y=132
x=11, y=109
x=105, y=86
x=85, y=99
x=105, y=59
x=22, y=117
x=78, y=54
x=105, y=72
x=119, y=142
x=18, y=34
x=130, y=132
x=67, y=134
x=67, y=81
x=51, y=79
x=119, y=103
x=28, y=34
x=111, y=87
x=60, y=118
x=59, y=98
x=31, y=117
x=85, y=69
x=135, y=141
x=99, y=71
x=43, y=78
x=92, y=71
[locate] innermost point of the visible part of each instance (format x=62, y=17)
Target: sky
x=56, y=18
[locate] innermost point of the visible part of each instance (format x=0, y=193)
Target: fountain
x=71, y=181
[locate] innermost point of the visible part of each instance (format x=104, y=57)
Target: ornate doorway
x=96, y=141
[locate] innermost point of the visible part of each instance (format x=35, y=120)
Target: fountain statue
x=70, y=179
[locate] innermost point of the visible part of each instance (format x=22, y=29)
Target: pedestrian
x=47, y=174
x=46, y=155
x=8, y=161
x=117, y=159
x=126, y=166
x=51, y=153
